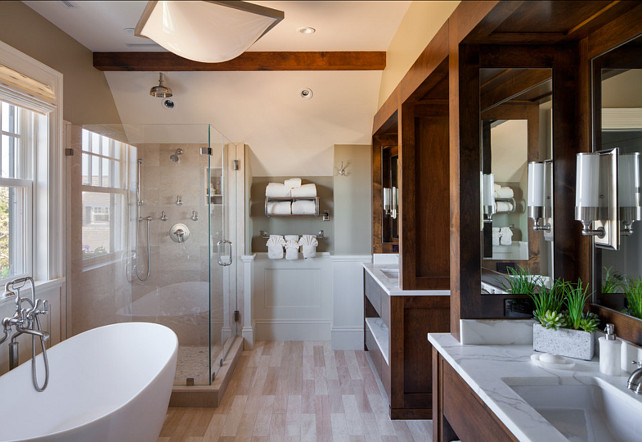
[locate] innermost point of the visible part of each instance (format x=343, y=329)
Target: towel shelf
x=266, y=235
x=292, y=199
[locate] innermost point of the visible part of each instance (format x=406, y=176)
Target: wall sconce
x=390, y=196
x=488, y=196
x=539, y=198
x=596, y=190
x=629, y=191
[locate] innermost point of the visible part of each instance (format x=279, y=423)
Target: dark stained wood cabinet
x=406, y=375
x=458, y=412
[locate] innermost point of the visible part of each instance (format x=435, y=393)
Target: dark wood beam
x=248, y=61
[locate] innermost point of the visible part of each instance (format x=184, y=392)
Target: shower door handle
x=224, y=251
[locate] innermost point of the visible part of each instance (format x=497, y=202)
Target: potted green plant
x=563, y=328
x=633, y=293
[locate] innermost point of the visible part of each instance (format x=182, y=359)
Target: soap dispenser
x=610, y=351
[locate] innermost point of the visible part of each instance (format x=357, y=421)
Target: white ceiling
x=287, y=135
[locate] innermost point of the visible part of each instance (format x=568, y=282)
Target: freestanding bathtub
x=111, y=383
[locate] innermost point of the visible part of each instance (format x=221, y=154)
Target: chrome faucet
x=26, y=320
x=634, y=383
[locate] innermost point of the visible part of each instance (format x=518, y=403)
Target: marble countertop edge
x=391, y=285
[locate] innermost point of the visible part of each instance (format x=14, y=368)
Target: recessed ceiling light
x=307, y=30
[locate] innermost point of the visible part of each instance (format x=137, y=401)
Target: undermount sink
x=391, y=273
x=583, y=408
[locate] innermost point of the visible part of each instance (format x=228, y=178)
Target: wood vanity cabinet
x=402, y=325
x=458, y=413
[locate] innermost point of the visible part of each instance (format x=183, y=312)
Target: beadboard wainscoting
x=292, y=300
x=54, y=292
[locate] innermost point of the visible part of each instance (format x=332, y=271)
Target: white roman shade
x=24, y=91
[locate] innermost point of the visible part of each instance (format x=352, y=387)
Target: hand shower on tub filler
x=25, y=320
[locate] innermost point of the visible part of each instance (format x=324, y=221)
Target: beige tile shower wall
x=291, y=225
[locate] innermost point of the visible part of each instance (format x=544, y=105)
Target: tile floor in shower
x=192, y=363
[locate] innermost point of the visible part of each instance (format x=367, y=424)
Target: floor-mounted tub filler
x=111, y=383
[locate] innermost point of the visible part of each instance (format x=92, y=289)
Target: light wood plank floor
x=296, y=391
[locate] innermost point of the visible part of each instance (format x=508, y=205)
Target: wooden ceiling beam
x=248, y=61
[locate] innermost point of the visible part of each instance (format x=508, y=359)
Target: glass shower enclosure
x=148, y=213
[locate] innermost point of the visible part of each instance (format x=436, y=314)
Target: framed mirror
x=516, y=141
x=617, y=117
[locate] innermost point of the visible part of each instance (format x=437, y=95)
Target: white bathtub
x=111, y=383
x=183, y=307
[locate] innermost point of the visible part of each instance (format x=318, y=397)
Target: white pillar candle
x=587, y=180
x=535, y=184
x=629, y=180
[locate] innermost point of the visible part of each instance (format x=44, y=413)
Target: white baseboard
x=292, y=330
x=248, y=338
x=347, y=338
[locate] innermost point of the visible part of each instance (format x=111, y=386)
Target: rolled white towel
x=304, y=207
x=307, y=190
x=275, y=240
x=291, y=250
x=275, y=252
x=496, y=187
x=291, y=238
x=277, y=190
x=292, y=183
x=504, y=206
x=279, y=208
x=504, y=192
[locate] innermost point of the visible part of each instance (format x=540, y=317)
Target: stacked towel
x=277, y=190
x=504, y=192
x=497, y=236
x=309, y=245
x=503, y=206
x=292, y=249
x=304, y=207
x=275, y=246
x=292, y=183
x=306, y=190
x=279, y=208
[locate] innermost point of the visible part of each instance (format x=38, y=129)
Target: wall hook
x=194, y=215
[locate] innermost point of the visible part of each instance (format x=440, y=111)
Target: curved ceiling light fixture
x=206, y=31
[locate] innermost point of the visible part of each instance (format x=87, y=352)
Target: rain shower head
x=160, y=91
x=174, y=156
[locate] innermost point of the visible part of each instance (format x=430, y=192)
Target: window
x=19, y=130
x=104, y=194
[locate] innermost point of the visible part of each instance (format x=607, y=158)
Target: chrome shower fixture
x=174, y=156
x=160, y=91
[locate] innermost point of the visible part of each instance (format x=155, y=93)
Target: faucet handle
x=638, y=363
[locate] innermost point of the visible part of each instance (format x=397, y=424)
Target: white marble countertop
x=391, y=285
x=484, y=366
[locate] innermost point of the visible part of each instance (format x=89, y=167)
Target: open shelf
x=293, y=199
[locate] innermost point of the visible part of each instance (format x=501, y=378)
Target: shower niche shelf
x=214, y=188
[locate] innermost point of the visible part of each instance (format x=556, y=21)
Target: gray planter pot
x=564, y=342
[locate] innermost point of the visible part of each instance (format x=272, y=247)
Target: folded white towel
x=496, y=240
x=277, y=190
x=496, y=230
x=505, y=240
x=309, y=251
x=291, y=250
x=289, y=238
x=496, y=187
x=308, y=240
x=279, y=208
x=506, y=231
x=275, y=240
x=275, y=252
x=503, y=206
x=504, y=192
x=304, y=207
x=306, y=190
x=292, y=183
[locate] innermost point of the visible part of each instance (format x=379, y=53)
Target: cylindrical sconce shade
x=587, y=180
x=629, y=180
x=535, y=184
x=488, y=195
x=386, y=199
x=394, y=198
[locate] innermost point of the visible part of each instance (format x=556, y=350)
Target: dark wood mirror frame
x=627, y=327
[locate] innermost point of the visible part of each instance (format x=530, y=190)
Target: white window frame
x=47, y=247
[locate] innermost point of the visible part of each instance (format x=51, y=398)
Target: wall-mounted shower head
x=160, y=91
x=174, y=156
